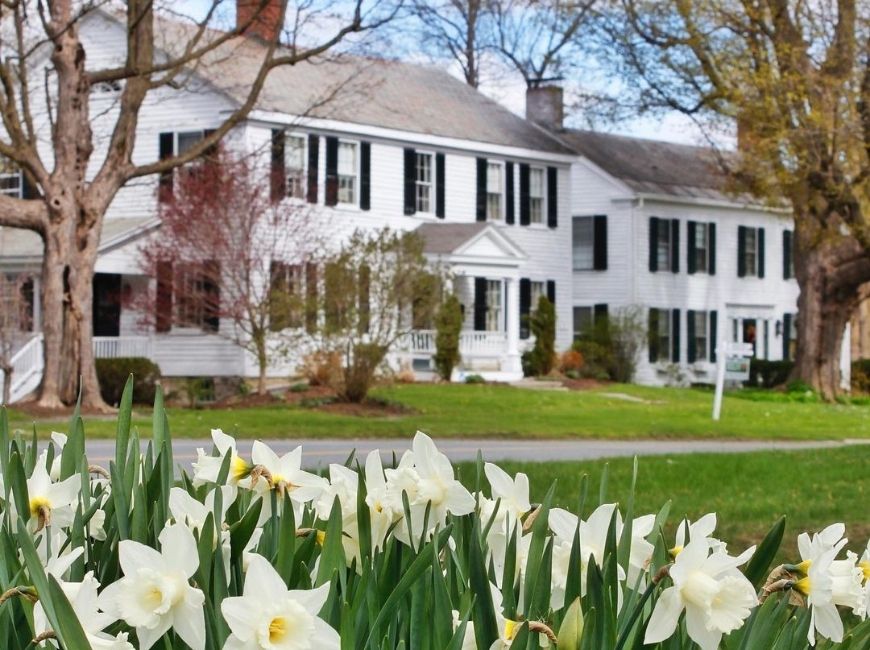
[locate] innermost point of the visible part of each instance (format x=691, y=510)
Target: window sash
x=294, y=165
x=536, y=195
x=751, y=252
x=663, y=245
x=583, y=243
x=536, y=290
x=664, y=334
x=493, y=305
x=10, y=178
x=701, y=335
x=347, y=172
x=494, y=192
x=423, y=182
x=701, y=247
x=582, y=321
x=186, y=140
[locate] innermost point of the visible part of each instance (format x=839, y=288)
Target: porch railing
x=112, y=347
x=26, y=369
x=471, y=342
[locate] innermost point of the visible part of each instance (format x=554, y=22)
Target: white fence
x=112, y=347
x=471, y=343
x=26, y=369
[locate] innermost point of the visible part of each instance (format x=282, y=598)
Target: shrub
x=113, y=373
x=861, y=376
x=448, y=327
x=299, y=387
x=542, y=323
x=474, y=379
x=597, y=359
x=768, y=374
x=571, y=361
x=611, y=349
x=359, y=371
x=322, y=368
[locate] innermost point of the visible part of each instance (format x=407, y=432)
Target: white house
x=365, y=144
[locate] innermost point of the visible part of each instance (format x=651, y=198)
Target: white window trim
x=543, y=222
x=752, y=273
x=13, y=174
x=502, y=191
x=670, y=257
x=433, y=192
x=591, y=220
x=304, y=138
x=357, y=175
x=706, y=226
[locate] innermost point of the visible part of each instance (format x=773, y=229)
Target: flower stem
x=623, y=638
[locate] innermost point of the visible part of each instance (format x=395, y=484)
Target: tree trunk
x=67, y=302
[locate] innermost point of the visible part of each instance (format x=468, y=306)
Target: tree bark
x=263, y=362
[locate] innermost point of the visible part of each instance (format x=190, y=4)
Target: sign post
x=732, y=363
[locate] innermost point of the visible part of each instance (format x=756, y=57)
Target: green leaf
x=332, y=558
x=241, y=531
x=67, y=625
x=757, y=569
x=122, y=437
x=485, y=628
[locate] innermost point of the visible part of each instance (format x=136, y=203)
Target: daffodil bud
x=571, y=631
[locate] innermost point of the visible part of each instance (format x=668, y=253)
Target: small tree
x=14, y=320
x=448, y=326
x=377, y=288
x=612, y=347
x=226, y=251
x=542, y=323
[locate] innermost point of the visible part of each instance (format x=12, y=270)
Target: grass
x=494, y=410
x=749, y=492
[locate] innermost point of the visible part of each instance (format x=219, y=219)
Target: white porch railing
x=471, y=343
x=112, y=347
x=27, y=364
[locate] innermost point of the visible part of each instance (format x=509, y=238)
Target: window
x=701, y=335
x=791, y=341
x=788, y=254
x=196, y=295
x=660, y=335
x=285, y=296
x=493, y=305
x=494, y=191
x=347, y=172
x=663, y=245
x=702, y=248
x=583, y=320
x=294, y=166
x=186, y=140
x=583, y=238
x=750, y=252
x=10, y=178
x=423, y=182
x=536, y=195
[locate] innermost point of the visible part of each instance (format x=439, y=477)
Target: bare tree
x=541, y=40
x=15, y=321
x=454, y=29
x=228, y=250
x=73, y=188
x=795, y=80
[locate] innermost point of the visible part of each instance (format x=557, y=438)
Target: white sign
x=732, y=363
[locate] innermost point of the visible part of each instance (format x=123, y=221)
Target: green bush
x=448, y=326
x=861, y=376
x=768, y=374
x=474, y=379
x=541, y=358
x=611, y=348
x=112, y=375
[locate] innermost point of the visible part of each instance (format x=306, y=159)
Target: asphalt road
x=322, y=452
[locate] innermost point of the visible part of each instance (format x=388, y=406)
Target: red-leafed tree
x=227, y=258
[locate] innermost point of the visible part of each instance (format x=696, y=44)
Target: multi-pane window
x=702, y=248
x=536, y=195
x=285, y=296
x=191, y=295
x=347, y=172
x=536, y=290
x=494, y=191
x=700, y=334
x=663, y=246
x=493, y=305
x=186, y=140
x=294, y=165
x=750, y=252
x=10, y=178
x=423, y=182
x=583, y=238
x=583, y=321
x=660, y=334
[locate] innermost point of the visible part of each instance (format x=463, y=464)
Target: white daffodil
x=641, y=549
x=381, y=507
x=56, y=555
x=507, y=628
x=716, y=597
x=848, y=584
x=85, y=603
x=864, y=565
x=703, y=528
x=285, y=474
x=155, y=594
x=512, y=495
x=818, y=586
x=59, y=440
x=468, y=640
x=96, y=526
x=52, y=503
x=193, y=514
x=268, y=616
x=207, y=468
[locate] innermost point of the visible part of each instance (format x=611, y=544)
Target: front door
x=107, y=304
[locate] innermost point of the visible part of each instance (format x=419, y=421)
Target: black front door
x=107, y=304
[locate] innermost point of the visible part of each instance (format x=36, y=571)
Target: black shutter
x=653, y=244
x=786, y=336
x=551, y=291
x=711, y=248
x=786, y=254
x=28, y=187
x=365, y=175
x=599, y=251
x=163, y=302
x=653, y=334
x=675, y=336
x=311, y=297
x=480, y=304
x=440, y=185
x=313, y=163
x=552, y=197
x=759, y=238
x=691, y=250
x=509, y=193
x=481, y=189
x=675, y=245
x=714, y=340
x=525, y=306
x=331, y=190
x=741, y=251
x=410, y=180
x=600, y=313
x=525, y=196
x=690, y=333
x=277, y=177
x=212, y=297
x=166, y=150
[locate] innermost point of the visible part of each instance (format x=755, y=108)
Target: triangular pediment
x=490, y=243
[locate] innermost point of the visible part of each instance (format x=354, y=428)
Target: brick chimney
x=267, y=23
x=545, y=106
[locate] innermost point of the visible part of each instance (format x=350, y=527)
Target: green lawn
x=749, y=492
x=493, y=410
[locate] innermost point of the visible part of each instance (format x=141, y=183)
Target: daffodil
x=155, y=594
x=52, y=503
x=716, y=597
x=285, y=473
x=692, y=530
x=85, y=603
x=268, y=616
x=818, y=586
x=207, y=468
x=512, y=495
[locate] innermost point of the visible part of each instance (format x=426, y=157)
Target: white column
x=513, y=363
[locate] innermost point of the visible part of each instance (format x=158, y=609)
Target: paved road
x=322, y=452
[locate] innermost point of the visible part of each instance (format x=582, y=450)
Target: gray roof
x=446, y=238
x=19, y=244
x=656, y=167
